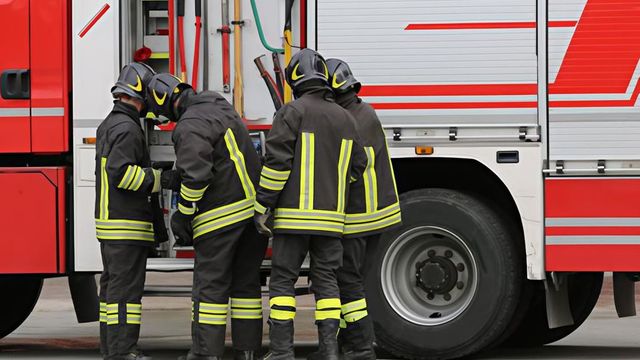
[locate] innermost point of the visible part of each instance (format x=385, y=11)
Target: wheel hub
x=437, y=275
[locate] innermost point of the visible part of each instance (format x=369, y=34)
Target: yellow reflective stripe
x=302, y=224
x=373, y=216
x=124, y=224
x=221, y=211
x=370, y=181
x=309, y=214
x=112, y=308
x=374, y=225
x=259, y=208
x=186, y=210
x=212, y=319
x=327, y=314
x=354, y=305
x=112, y=319
x=343, y=324
x=192, y=194
x=328, y=303
x=141, y=174
x=213, y=306
x=343, y=172
x=134, y=308
x=307, y=165
x=127, y=177
x=103, y=317
x=104, y=189
x=223, y=222
x=270, y=184
x=103, y=306
x=275, y=174
x=282, y=314
x=246, y=313
x=134, y=319
x=238, y=159
x=247, y=303
x=282, y=301
x=355, y=316
x=123, y=234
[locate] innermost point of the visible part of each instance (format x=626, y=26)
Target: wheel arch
x=514, y=189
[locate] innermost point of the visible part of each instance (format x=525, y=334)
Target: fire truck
x=514, y=128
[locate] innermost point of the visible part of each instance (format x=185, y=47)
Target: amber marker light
x=424, y=150
x=89, y=140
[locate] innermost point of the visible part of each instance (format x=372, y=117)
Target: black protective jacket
x=373, y=205
x=312, y=153
x=124, y=179
x=217, y=162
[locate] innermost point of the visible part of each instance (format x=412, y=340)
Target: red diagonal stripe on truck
x=94, y=20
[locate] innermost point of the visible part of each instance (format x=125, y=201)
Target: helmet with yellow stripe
x=133, y=81
x=341, y=77
x=162, y=92
x=305, y=66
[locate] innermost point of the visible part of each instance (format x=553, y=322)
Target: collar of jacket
x=347, y=99
x=190, y=98
x=127, y=109
x=318, y=91
x=185, y=99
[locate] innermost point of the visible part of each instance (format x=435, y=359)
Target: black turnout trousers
x=227, y=267
x=121, y=288
x=289, y=252
x=358, y=254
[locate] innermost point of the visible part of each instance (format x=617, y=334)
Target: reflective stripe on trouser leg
x=282, y=308
x=246, y=323
x=134, y=314
x=328, y=309
x=112, y=314
x=246, y=308
x=354, y=311
x=208, y=328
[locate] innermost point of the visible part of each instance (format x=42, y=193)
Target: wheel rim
x=429, y=275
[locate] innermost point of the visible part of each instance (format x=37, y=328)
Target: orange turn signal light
x=424, y=150
x=89, y=140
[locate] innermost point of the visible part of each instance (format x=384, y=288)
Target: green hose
x=256, y=17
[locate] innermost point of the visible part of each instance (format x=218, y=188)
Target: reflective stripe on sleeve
x=186, y=209
x=259, y=208
x=275, y=174
x=270, y=184
x=192, y=195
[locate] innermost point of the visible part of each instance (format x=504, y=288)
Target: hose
x=263, y=39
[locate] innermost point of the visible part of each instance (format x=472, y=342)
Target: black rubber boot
x=327, y=340
x=130, y=356
x=244, y=355
x=281, y=336
x=192, y=356
x=357, y=340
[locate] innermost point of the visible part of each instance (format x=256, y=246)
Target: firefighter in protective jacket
x=217, y=171
x=312, y=154
x=373, y=208
x=123, y=213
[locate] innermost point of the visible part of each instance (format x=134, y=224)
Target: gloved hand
x=170, y=180
x=260, y=221
x=181, y=228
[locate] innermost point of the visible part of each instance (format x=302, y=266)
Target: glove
x=170, y=180
x=181, y=228
x=260, y=221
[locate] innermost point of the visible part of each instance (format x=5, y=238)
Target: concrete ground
x=51, y=332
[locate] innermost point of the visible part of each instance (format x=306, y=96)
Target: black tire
x=497, y=292
x=584, y=291
x=20, y=295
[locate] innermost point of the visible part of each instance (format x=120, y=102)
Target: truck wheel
x=447, y=282
x=20, y=295
x=584, y=291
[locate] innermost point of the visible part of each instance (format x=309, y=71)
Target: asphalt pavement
x=51, y=332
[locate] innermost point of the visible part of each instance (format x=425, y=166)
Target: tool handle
x=276, y=98
x=180, y=8
x=226, y=59
x=198, y=8
x=277, y=69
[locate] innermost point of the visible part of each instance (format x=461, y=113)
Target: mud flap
x=624, y=293
x=84, y=294
x=557, y=299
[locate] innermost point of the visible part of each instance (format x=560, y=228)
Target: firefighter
x=217, y=171
x=311, y=155
x=372, y=208
x=123, y=212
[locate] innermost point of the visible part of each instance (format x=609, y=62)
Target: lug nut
x=430, y=296
x=431, y=253
x=447, y=296
x=448, y=253
x=460, y=285
x=460, y=267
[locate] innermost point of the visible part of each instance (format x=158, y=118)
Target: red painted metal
x=15, y=131
x=592, y=198
x=488, y=25
x=303, y=23
x=49, y=76
x=33, y=220
x=172, y=37
x=93, y=20
x=592, y=258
